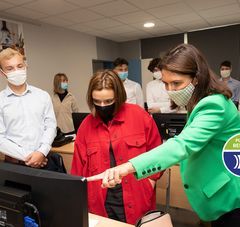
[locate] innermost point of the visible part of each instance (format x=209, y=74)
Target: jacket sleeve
x=207, y=121
x=79, y=162
x=139, y=95
x=75, y=107
x=149, y=94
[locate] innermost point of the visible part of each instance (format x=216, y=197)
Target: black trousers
x=230, y=219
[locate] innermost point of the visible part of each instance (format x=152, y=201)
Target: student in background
x=27, y=121
x=233, y=84
x=158, y=100
x=133, y=89
x=212, y=190
x=64, y=103
x=115, y=132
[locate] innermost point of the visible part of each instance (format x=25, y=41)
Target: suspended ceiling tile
x=5, y=5
x=81, y=15
x=88, y=3
x=50, y=7
x=103, y=23
x=182, y=18
x=148, y=4
x=121, y=29
x=20, y=2
x=135, y=17
x=220, y=11
x=208, y=4
x=192, y=25
x=170, y=10
x=57, y=21
x=114, y=8
x=26, y=13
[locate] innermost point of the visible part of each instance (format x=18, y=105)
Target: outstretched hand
x=111, y=177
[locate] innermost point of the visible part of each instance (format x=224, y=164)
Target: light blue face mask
x=64, y=85
x=123, y=75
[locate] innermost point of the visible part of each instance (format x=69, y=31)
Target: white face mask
x=17, y=77
x=182, y=97
x=225, y=73
x=157, y=75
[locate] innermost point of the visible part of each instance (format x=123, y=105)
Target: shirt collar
x=10, y=92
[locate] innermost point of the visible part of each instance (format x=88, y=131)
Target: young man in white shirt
x=27, y=120
x=158, y=100
x=133, y=89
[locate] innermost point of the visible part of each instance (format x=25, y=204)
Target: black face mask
x=105, y=112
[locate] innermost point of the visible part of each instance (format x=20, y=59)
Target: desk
x=106, y=222
x=67, y=153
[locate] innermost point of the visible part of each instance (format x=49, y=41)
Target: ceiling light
x=149, y=25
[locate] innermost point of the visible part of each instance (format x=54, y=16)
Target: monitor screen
x=77, y=120
x=61, y=199
x=169, y=124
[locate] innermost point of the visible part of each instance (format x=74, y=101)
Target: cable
x=35, y=211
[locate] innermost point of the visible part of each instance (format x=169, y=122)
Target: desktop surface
x=105, y=222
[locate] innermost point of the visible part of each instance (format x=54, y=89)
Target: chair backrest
x=77, y=120
x=163, y=187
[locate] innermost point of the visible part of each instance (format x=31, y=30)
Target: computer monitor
x=169, y=124
x=61, y=199
x=77, y=120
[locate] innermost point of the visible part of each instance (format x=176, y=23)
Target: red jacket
x=131, y=132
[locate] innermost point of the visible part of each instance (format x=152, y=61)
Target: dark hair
x=119, y=62
x=154, y=63
x=107, y=79
x=226, y=63
x=185, y=59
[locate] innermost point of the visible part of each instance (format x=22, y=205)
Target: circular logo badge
x=231, y=155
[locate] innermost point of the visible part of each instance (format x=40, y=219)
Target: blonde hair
x=57, y=82
x=8, y=53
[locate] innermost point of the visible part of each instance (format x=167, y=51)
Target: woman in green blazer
x=212, y=190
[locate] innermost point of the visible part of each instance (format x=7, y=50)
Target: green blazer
x=210, y=188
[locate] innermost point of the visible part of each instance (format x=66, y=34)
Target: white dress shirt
x=157, y=96
x=27, y=122
x=134, y=92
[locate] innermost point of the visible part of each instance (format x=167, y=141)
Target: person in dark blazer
x=212, y=189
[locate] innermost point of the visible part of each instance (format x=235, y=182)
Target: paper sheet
x=92, y=222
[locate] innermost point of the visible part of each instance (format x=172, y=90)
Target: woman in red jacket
x=112, y=134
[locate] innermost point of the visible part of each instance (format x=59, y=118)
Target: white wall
x=50, y=50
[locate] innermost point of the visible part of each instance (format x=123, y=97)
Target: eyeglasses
x=106, y=102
